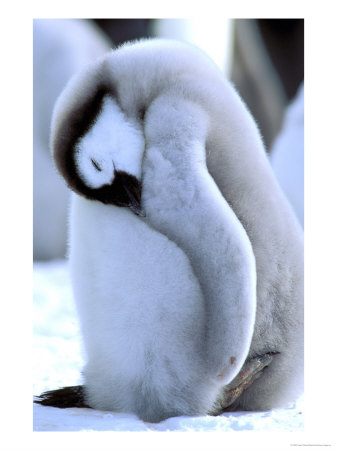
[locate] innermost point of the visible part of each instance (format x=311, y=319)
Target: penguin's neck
x=182, y=201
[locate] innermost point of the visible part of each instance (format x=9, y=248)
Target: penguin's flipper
x=251, y=371
x=190, y=210
x=67, y=397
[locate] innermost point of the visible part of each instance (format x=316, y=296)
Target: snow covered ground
x=58, y=360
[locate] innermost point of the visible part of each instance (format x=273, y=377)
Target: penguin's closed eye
x=96, y=165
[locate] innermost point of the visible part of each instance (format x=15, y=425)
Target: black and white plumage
x=186, y=258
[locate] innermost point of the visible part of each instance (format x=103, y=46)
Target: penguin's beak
x=134, y=201
x=125, y=190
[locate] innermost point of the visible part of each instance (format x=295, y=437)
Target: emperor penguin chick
x=186, y=259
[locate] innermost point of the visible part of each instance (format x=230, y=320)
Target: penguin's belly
x=140, y=306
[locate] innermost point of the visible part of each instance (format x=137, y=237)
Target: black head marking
x=125, y=189
x=73, y=127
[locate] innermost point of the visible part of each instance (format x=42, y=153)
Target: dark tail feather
x=67, y=397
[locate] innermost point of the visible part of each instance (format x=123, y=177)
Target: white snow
x=58, y=359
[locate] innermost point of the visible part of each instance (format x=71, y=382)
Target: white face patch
x=112, y=143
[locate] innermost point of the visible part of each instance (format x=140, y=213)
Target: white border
x=320, y=226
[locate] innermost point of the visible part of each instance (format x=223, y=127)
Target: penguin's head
x=99, y=149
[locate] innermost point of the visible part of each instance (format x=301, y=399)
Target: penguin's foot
x=67, y=397
x=251, y=371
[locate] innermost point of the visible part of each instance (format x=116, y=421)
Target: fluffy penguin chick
x=142, y=309
x=208, y=273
